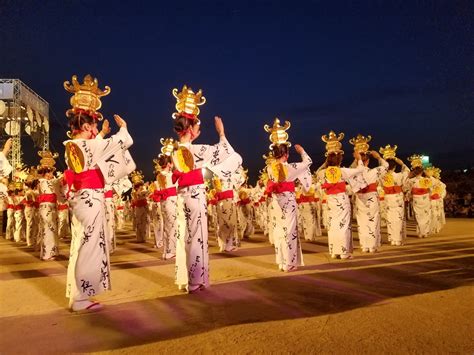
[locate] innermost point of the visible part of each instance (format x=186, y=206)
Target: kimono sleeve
x=301, y=172
x=212, y=155
x=5, y=167
x=354, y=177
x=115, y=161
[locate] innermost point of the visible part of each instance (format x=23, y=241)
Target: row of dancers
x=287, y=203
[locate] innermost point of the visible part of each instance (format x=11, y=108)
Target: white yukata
x=10, y=227
x=307, y=215
x=48, y=215
x=31, y=217
x=110, y=217
x=168, y=203
x=192, y=249
x=392, y=183
x=368, y=208
x=333, y=180
x=245, y=213
x=140, y=208
x=438, y=193
x=286, y=241
x=227, y=209
x=419, y=189
x=19, y=216
x=93, y=162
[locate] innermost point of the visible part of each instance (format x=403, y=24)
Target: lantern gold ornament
x=361, y=143
x=86, y=96
x=388, y=152
x=188, y=102
x=278, y=133
x=333, y=143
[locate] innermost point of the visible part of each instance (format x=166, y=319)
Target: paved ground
x=412, y=299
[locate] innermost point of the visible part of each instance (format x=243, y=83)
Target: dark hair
x=279, y=150
x=32, y=184
x=418, y=170
x=43, y=170
x=76, y=120
x=164, y=160
x=334, y=159
x=182, y=123
x=392, y=164
x=365, y=156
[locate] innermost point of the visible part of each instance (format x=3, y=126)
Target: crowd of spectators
x=460, y=188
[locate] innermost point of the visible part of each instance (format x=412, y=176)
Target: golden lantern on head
x=47, y=160
x=86, y=96
x=388, y=152
x=416, y=160
x=32, y=175
x=278, y=133
x=188, y=102
x=430, y=170
x=437, y=173
x=333, y=143
x=361, y=143
x=168, y=146
x=137, y=177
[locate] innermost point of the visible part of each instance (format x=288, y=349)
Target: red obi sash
x=140, y=203
x=62, y=206
x=280, y=187
x=30, y=203
x=224, y=195
x=243, y=202
x=419, y=191
x=435, y=197
x=262, y=199
x=47, y=198
x=381, y=198
x=169, y=192
x=19, y=207
x=334, y=189
x=119, y=208
x=324, y=201
x=369, y=188
x=109, y=194
x=306, y=199
x=156, y=196
x=194, y=177
x=391, y=190
x=89, y=179
x=212, y=202
x=10, y=206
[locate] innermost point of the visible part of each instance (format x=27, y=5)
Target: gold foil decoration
x=333, y=143
x=86, y=95
x=333, y=174
x=188, y=102
x=416, y=160
x=361, y=143
x=388, y=152
x=183, y=159
x=278, y=133
x=48, y=159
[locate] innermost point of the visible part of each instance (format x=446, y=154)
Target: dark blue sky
x=402, y=71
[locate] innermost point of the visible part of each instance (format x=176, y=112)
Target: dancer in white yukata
x=392, y=184
x=167, y=195
x=19, y=214
x=438, y=193
x=282, y=176
x=140, y=207
x=367, y=199
x=333, y=179
x=418, y=187
x=48, y=186
x=31, y=210
x=192, y=254
x=92, y=163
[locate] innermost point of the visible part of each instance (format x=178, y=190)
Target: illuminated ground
x=412, y=299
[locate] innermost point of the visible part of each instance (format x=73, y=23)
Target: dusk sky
x=402, y=71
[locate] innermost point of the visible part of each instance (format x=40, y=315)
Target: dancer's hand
x=105, y=128
x=219, y=126
x=299, y=149
x=375, y=154
x=120, y=121
x=357, y=156
x=7, y=146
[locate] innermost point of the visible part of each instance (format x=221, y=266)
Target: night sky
x=402, y=71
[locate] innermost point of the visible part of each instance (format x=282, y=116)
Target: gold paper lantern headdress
x=333, y=143
x=32, y=175
x=416, y=160
x=361, y=143
x=437, y=173
x=86, y=96
x=278, y=133
x=47, y=159
x=137, y=177
x=431, y=170
x=269, y=158
x=168, y=146
x=188, y=102
x=388, y=152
